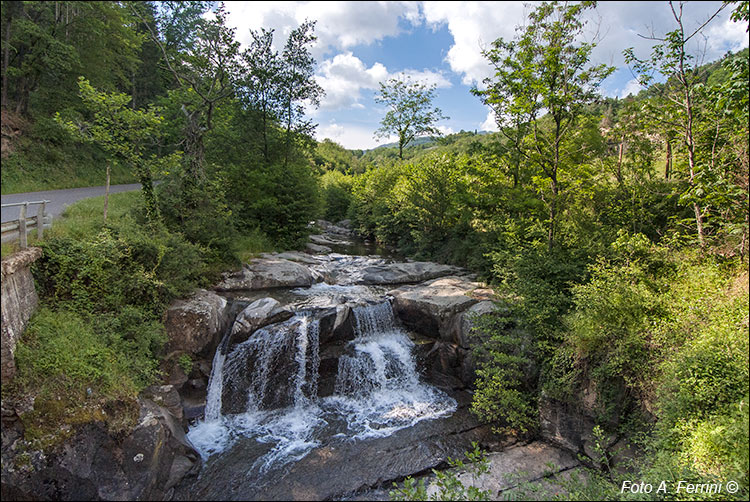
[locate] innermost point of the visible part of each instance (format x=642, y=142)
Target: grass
x=38, y=165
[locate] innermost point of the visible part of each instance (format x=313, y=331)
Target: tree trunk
x=149, y=197
x=106, y=195
x=668, y=163
x=6, y=55
x=691, y=164
x=194, y=148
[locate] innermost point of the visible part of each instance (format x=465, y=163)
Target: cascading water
x=377, y=389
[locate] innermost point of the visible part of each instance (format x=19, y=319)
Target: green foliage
x=330, y=156
x=186, y=363
x=447, y=486
x=336, y=194
x=123, y=133
x=506, y=376
x=74, y=364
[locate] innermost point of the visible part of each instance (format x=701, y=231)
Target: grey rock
x=258, y=314
x=93, y=465
x=430, y=308
x=317, y=248
x=196, y=324
x=263, y=273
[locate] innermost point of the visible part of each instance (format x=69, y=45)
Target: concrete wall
x=19, y=300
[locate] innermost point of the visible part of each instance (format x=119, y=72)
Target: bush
x=506, y=376
x=116, y=267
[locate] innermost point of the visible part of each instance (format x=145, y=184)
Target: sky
x=360, y=44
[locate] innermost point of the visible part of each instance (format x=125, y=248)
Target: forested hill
x=615, y=230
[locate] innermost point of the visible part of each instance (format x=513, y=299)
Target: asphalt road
x=59, y=199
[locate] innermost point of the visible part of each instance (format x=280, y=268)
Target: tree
x=670, y=57
x=124, y=134
x=46, y=44
x=204, y=73
x=259, y=89
x=410, y=113
x=298, y=83
x=544, y=70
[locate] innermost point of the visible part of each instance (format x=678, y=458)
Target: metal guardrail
x=25, y=223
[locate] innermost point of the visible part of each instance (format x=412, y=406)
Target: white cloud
x=445, y=130
x=490, y=123
x=351, y=136
x=340, y=25
x=632, y=87
x=613, y=26
x=474, y=26
x=343, y=79
x=345, y=76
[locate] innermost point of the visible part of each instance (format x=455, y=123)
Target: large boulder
x=196, y=324
x=93, y=465
x=258, y=314
x=431, y=308
x=269, y=272
x=329, y=240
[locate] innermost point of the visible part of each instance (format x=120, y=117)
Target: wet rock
x=336, y=325
x=258, y=314
x=341, y=467
x=329, y=240
x=442, y=363
x=339, y=229
x=317, y=248
x=167, y=397
x=196, y=324
x=263, y=273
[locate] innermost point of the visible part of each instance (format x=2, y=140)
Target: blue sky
x=362, y=43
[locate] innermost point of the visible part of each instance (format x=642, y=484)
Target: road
x=59, y=199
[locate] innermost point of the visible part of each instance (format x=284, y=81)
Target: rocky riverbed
x=317, y=375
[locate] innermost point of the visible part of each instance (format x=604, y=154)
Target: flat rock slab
x=405, y=273
x=341, y=467
x=263, y=273
x=517, y=465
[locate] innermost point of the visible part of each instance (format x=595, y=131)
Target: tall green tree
x=544, y=71
x=410, y=113
x=204, y=76
x=298, y=85
x=259, y=90
x=671, y=58
x=45, y=45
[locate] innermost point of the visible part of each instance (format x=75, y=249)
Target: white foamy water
x=377, y=390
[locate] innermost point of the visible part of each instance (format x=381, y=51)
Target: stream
x=292, y=416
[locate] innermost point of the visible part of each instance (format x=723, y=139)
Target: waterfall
x=215, y=387
x=266, y=388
